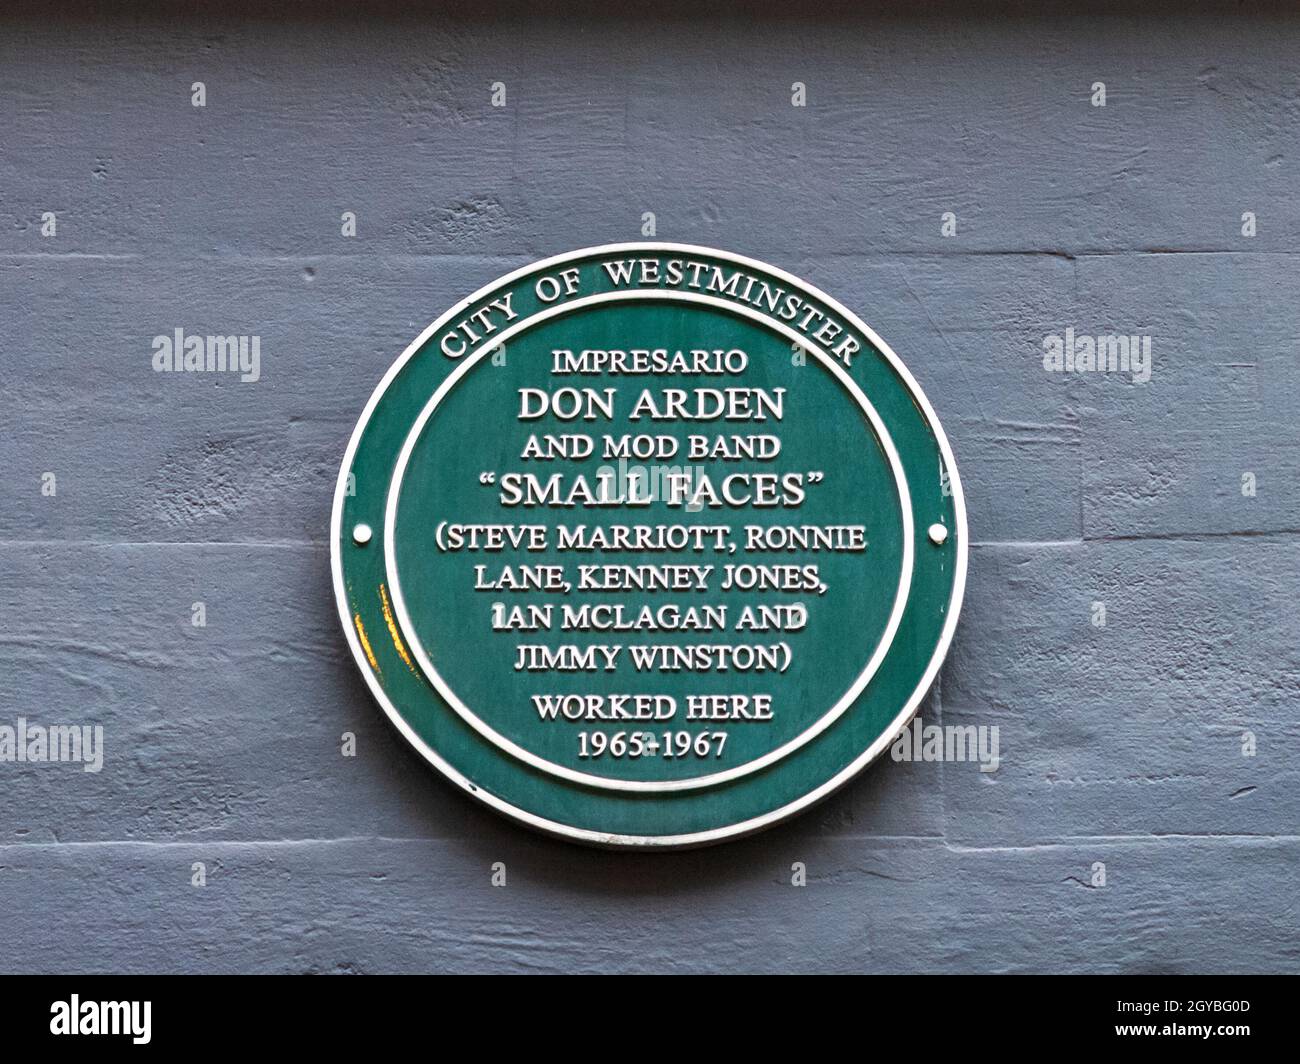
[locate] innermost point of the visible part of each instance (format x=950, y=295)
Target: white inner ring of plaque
x=695, y=782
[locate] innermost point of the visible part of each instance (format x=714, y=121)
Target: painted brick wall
x=1121, y=744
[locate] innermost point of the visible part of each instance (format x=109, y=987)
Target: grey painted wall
x=1121, y=744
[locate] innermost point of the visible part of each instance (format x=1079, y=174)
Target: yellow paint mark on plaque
x=365, y=643
x=392, y=628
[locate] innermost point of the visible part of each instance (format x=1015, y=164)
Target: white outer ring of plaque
x=649, y=786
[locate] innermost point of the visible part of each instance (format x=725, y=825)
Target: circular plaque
x=649, y=545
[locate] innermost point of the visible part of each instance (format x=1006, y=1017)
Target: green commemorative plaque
x=649, y=545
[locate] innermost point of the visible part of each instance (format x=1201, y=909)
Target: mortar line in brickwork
x=1243, y=533
x=211, y=844
x=1053, y=253
x=274, y=543
x=1068, y=842
x=1027, y=543
x=111, y=256
x=252, y=255
x=1139, y=537
x=1065, y=842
